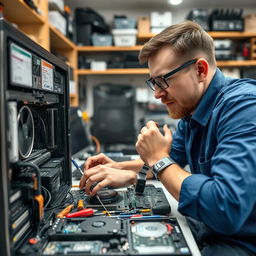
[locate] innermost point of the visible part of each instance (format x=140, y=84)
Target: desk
x=181, y=219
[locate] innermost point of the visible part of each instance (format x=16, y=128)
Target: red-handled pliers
x=87, y=212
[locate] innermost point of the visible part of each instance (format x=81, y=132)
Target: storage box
x=250, y=22
x=101, y=40
x=156, y=30
x=56, y=5
x=161, y=19
x=124, y=23
x=98, y=65
x=58, y=21
x=143, y=25
x=124, y=37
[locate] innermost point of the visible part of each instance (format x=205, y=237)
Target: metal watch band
x=161, y=165
x=141, y=179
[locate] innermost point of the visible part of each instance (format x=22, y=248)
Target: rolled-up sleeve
x=225, y=199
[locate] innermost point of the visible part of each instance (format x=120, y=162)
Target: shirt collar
x=208, y=101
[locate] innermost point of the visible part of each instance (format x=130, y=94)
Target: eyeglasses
x=161, y=82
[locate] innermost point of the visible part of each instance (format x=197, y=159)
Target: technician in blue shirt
x=216, y=137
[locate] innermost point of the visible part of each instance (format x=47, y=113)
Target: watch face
x=162, y=164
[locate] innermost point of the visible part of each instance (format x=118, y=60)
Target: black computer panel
x=113, y=119
x=34, y=128
x=79, y=135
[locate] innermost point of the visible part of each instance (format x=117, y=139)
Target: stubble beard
x=179, y=112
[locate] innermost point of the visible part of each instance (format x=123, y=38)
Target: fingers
x=87, y=174
x=96, y=160
x=167, y=132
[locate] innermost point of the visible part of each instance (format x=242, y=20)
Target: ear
x=202, y=69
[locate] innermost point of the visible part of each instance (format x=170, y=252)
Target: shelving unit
x=141, y=37
x=214, y=34
x=36, y=26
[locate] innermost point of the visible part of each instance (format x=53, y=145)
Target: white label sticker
x=47, y=75
x=21, y=66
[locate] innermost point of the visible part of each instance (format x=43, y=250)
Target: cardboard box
x=143, y=25
x=250, y=22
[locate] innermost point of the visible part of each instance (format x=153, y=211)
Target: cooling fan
x=25, y=131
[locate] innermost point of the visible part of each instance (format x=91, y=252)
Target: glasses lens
x=150, y=84
x=159, y=81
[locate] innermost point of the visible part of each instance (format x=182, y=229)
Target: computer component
x=13, y=132
x=153, y=198
x=157, y=237
x=34, y=101
x=80, y=138
x=100, y=227
x=25, y=131
x=113, y=118
x=111, y=236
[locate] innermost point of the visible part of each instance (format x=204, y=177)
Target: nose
x=159, y=93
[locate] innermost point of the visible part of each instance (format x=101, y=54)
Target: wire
x=36, y=170
x=97, y=143
x=47, y=192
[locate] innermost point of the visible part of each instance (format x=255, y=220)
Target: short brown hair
x=186, y=38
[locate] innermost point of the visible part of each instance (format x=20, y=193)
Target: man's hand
x=96, y=160
x=104, y=176
x=152, y=145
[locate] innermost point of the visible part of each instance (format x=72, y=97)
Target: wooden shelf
x=59, y=41
x=127, y=71
x=232, y=35
x=145, y=71
x=18, y=12
x=214, y=34
x=108, y=48
x=236, y=63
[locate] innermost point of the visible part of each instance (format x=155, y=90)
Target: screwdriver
x=97, y=196
x=87, y=212
x=65, y=211
x=77, y=166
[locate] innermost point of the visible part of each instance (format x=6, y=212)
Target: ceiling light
x=175, y=2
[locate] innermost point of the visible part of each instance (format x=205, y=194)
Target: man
x=216, y=136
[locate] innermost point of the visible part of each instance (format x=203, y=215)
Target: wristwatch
x=161, y=165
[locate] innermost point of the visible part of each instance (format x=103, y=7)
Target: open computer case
x=35, y=172
x=34, y=113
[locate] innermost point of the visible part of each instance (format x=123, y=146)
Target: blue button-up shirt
x=219, y=143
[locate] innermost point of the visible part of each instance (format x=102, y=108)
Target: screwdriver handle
x=87, y=212
x=65, y=211
x=80, y=204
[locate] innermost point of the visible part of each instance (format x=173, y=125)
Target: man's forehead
x=162, y=62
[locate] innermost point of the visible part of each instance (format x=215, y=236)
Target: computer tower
x=34, y=114
x=113, y=118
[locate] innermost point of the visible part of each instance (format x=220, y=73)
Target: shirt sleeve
x=225, y=200
x=178, y=151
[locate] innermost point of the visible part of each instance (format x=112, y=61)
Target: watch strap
x=141, y=179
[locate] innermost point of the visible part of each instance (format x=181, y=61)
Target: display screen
x=21, y=66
